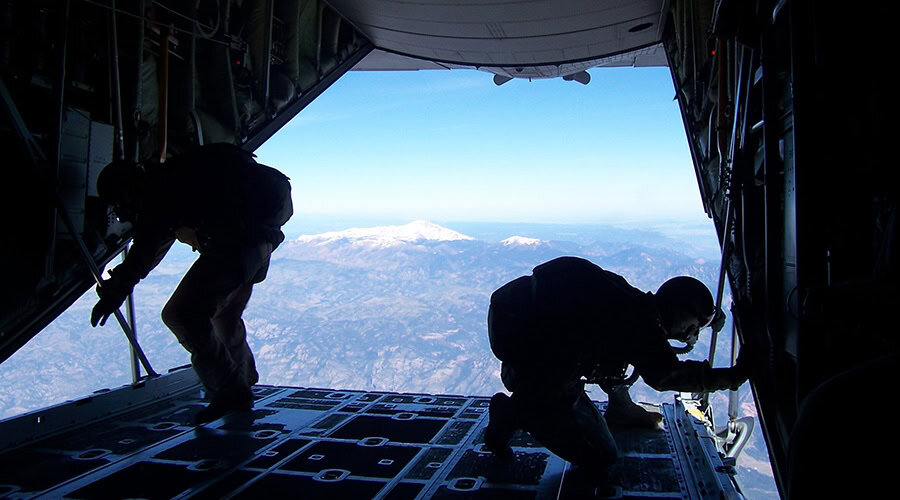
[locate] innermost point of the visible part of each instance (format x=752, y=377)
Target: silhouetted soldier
x=228, y=208
x=571, y=319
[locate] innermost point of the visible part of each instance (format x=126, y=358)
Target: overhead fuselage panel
x=516, y=38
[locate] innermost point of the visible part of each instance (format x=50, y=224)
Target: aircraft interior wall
x=784, y=107
x=88, y=81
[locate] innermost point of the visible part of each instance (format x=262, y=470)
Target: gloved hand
x=112, y=293
x=108, y=304
x=718, y=321
x=743, y=366
x=746, y=359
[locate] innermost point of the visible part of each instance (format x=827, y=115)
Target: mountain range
x=392, y=308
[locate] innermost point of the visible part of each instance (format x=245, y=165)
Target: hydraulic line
x=163, y=125
x=733, y=395
x=119, y=154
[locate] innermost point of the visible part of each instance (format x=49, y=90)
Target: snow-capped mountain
x=388, y=236
x=521, y=241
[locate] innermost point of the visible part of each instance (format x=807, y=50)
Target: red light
x=238, y=63
x=713, y=52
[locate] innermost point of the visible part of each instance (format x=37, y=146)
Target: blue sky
x=452, y=146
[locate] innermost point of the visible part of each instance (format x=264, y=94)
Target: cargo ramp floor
x=138, y=442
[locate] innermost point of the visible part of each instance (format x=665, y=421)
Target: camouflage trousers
x=554, y=409
x=205, y=314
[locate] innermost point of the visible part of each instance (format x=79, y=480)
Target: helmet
x=119, y=184
x=689, y=294
x=685, y=306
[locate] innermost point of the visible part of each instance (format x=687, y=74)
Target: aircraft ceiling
x=523, y=39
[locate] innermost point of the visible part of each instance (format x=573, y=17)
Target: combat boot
x=622, y=411
x=501, y=426
x=238, y=399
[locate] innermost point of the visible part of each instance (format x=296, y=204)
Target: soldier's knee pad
x=169, y=315
x=177, y=321
x=173, y=315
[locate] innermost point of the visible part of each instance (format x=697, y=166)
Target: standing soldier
x=228, y=208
